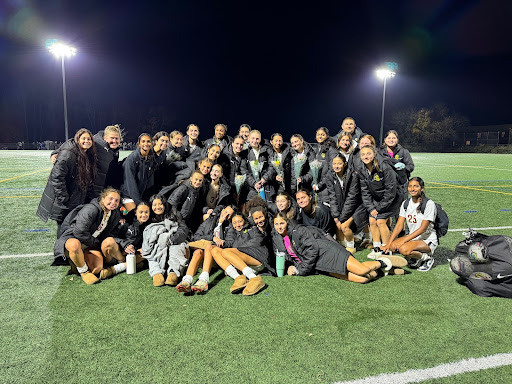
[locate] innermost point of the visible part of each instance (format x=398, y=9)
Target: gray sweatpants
x=172, y=259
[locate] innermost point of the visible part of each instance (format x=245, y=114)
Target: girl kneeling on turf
x=309, y=250
x=419, y=245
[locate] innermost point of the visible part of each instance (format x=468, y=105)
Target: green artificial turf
x=298, y=330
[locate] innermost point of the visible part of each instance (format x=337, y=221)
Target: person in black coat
x=286, y=204
x=346, y=205
x=280, y=157
x=193, y=146
x=313, y=214
x=349, y=125
x=70, y=179
x=308, y=250
x=218, y=194
x=324, y=151
x=186, y=197
x=231, y=160
x=379, y=185
x=257, y=169
x=243, y=250
x=302, y=155
x=87, y=237
x=220, y=137
x=139, y=170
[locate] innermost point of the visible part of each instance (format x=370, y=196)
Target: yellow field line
x=27, y=174
x=472, y=188
x=16, y=197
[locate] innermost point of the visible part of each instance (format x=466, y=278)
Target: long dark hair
x=422, y=185
x=290, y=212
x=153, y=217
x=86, y=160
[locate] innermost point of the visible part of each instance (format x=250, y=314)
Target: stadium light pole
x=383, y=74
x=62, y=51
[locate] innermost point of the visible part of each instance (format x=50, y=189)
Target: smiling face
x=277, y=142
x=205, y=167
x=344, y=142
x=177, y=141
x=259, y=219
x=145, y=144
x=297, y=144
x=244, y=132
x=367, y=155
x=216, y=172
x=158, y=207
x=111, y=201
x=348, y=125
x=338, y=165
x=282, y=203
x=255, y=139
x=227, y=213
x=391, y=140
x=214, y=152
x=162, y=143
x=113, y=139
x=142, y=213
x=193, y=132
x=303, y=200
x=414, y=188
x=85, y=141
x=238, y=223
x=321, y=135
x=364, y=142
x=238, y=145
x=196, y=180
x=220, y=131
x=281, y=226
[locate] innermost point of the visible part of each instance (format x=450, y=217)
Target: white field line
x=478, y=229
x=26, y=255
x=466, y=166
x=443, y=370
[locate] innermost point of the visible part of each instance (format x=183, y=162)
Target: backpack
x=440, y=223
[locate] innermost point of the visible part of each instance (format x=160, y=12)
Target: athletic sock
x=351, y=244
x=232, y=272
x=121, y=267
x=377, y=244
x=82, y=269
x=248, y=272
x=425, y=256
x=189, y=279
x=205, y=276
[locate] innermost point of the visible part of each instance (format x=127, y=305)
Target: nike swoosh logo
x=500, y=276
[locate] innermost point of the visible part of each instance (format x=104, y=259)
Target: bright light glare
x=60, y=50
x=384, y=73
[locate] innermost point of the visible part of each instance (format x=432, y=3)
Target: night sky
x=281, y=67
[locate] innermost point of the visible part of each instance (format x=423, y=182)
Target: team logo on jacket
x=376, y=178
x=397, y=157
x=323, y=155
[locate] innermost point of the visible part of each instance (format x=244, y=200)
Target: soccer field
x=315, y=329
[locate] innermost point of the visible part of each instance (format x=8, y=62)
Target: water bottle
x=130, y=264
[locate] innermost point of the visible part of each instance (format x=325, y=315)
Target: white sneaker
x=426, y=265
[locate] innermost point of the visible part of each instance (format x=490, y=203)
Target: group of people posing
x=178, y=203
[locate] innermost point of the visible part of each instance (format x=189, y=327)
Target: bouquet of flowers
x=278, y=166
x=239, y=181
x=172, y=157
x=298, y=162
x=256, y=168
x=315, y=166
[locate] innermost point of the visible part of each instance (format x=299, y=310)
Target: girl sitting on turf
x=212, y=229
x=87, y=237
x=286, y=204
x=218, y=194
x=131, y=242
x=159, y=207
x=243, y=250
x=312, y=213
x=379, y=192
x=421, y=242
x=185, y=198
x=309, y=250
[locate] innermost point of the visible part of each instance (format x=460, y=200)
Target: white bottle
x=130, y=264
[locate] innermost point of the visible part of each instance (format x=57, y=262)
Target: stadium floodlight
x=385, y=73
x=61, y=50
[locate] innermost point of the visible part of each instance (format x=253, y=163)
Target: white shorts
x=432, y=247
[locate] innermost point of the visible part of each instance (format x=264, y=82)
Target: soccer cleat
x=172, y=279
x=183, y=287
x=107, y=272
x=158, y=280
x=375, y=253
x=239, y=284
x=89, y=278
x=200, y=286
x=254, y=285
x=426, y=265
